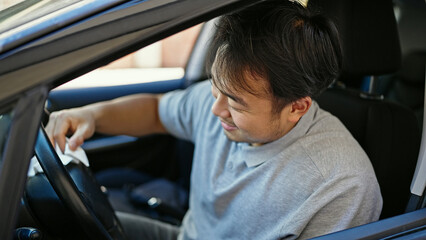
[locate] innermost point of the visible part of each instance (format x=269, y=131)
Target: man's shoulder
x=332, y=148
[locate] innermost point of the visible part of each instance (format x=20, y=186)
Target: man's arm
x=134, y=115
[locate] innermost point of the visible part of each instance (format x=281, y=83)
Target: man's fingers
x=67, y=122
x=83, y=132
x=49, y=132
x=50, y=128
x=61, y=141
x=75, y=142
x=59, y=133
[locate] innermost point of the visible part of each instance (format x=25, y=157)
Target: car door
x=52, y=52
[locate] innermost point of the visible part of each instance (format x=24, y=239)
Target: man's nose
x=220, y=107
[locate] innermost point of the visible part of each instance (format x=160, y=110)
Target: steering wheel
x=82, y=196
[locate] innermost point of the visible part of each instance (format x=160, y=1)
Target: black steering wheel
x=82, y=196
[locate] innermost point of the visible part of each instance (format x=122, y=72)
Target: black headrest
x=369, y=35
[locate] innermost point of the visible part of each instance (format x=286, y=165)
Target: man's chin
x=233, y=136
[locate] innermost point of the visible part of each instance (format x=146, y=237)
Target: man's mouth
x=228, y=126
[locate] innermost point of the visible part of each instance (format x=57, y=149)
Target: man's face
x=250, y=118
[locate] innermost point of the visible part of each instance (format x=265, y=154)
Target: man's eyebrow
x=235, y=99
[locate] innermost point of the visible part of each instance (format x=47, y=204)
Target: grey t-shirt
x=314, y=180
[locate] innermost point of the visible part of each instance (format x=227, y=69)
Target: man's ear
x=299, y=108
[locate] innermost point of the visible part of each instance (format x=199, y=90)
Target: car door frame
x=18, y=151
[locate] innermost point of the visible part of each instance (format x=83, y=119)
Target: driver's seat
x=387, y=131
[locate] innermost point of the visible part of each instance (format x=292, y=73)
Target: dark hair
x=293, y=47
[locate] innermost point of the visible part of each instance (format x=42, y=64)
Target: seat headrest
x=368, y=33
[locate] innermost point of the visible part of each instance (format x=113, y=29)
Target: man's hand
x=134, y=115
x=77, y=122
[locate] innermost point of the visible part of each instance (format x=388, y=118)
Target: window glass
x=17, y=12
x=4, y=4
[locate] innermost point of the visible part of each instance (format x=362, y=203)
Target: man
x=268, y=162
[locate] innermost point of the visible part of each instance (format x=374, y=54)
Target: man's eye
x=231, y=103
x=234, y=108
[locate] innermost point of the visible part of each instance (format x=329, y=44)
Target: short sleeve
x=182, y=111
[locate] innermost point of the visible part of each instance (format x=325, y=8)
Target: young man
x=268, y=162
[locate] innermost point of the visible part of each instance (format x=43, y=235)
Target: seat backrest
x=407, y=86
x=389, y=134
x=387, y=131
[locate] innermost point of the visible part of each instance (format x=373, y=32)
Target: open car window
x=161, y=61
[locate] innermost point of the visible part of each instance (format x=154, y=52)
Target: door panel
x=68, y=98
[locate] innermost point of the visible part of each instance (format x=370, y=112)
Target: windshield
x=8, y=3
x=30, y=19
x=19, y=12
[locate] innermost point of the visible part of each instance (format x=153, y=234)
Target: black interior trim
x=19, y=150
x=381, y=229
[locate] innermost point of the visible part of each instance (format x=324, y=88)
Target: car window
x=5, y=122
x=163, y=60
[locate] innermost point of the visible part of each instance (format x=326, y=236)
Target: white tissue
x=68, y=156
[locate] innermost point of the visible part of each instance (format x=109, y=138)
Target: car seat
x=387, y=131
x=407, y=86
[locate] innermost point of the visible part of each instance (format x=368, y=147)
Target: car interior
x=383, y=82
